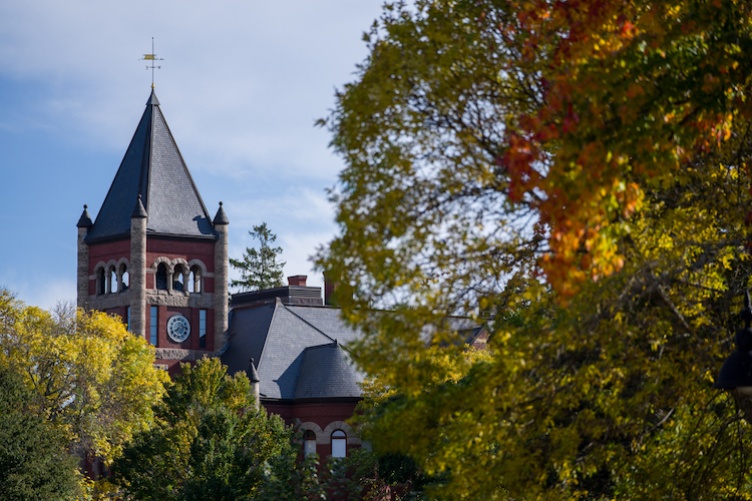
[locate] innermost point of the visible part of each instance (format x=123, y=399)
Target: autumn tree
x=259, y=268
x=210, y=442
x=88, y=376
x=573, y=175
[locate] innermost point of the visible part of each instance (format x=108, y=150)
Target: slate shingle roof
x=294, y=349
x=154, y=169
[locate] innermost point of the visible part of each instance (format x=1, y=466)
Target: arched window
x=124, y=278
x=178, y=278
x=112, y=280
x=161, y=277
x=339, y=444
x=309, y=443
x=194, y=280
x=101, y=281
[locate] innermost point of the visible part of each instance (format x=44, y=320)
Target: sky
x=241, y=85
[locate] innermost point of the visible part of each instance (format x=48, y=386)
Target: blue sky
x=241, y=85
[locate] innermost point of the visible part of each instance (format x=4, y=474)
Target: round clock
x=178, y=328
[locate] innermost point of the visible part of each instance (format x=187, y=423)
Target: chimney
x=329, y=287
x=297, y=280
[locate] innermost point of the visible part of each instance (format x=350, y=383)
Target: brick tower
x=153, y=255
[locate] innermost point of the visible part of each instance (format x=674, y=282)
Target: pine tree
x=259, y=268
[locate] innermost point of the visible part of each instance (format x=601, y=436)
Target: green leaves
x=574, y=176
x=209, y=443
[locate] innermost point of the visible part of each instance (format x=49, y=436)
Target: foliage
x=259, y=268
x=89, y=377
x=361, y=476
x=34, y=460
x=210, y=441
x=573, y=175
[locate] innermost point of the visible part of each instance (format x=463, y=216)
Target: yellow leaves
x=91, y=377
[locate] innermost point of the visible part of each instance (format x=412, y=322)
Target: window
x=339, y=444
x=178, y=280
x=309, y=443
x=112, y=281
x=128, y=318
x=101, y=284
x=153, y=322
x=124, y=280
x=161, y=277
x=194, y=280
x=202, y=329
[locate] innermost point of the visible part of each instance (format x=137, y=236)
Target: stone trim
x=352, y=437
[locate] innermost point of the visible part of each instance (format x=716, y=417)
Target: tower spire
x=153, y=58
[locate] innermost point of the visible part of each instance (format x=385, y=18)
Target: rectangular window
x=154, y=316
x=202, y=329
x=128, y=318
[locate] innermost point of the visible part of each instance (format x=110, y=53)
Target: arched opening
x=124, y=277
x=339, y=444
x=309, y=443
x=178, y=278
x=112, y=281
x=101, y=281
x=161, y=277
x=194, y=280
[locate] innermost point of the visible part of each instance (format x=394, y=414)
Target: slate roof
x=295, y=350
x=153, y=169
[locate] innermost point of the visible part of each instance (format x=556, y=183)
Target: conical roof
x=154, y=170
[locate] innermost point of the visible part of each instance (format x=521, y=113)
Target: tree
x=90, y=378
x=210, y=443
x=34, y=460
x=259, y=268
x=575, y=176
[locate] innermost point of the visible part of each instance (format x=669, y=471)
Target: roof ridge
x=309, y=324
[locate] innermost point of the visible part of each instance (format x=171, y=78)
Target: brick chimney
x=297, y=280
x=329, y=287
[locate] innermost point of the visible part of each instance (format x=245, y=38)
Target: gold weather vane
x=153, y=58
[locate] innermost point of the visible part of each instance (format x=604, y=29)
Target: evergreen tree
x=259, y=268
x=34, y=462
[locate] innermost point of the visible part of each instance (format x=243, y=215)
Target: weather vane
x=153, y=58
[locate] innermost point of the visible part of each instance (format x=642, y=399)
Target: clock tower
x=153, y=255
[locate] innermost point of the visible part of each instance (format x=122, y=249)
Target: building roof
x=154, y=170
x=298, y=348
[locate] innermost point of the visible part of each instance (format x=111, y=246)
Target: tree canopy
x=575, y=176
x=259, y=268
x=89, y=377
x=210, y=441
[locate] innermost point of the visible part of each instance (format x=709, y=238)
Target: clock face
x=178, y=328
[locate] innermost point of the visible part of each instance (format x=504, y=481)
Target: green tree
x=259, y=268
x=575, y=176
x=210, y=441
x=34, y=459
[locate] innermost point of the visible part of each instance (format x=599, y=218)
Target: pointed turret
x=85, y=220
x=221, y=217
x=139, y=211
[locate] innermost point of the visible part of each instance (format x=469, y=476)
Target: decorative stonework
x=182, y=355
x=352, y=437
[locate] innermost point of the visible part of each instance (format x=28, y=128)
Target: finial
x=152, y=57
